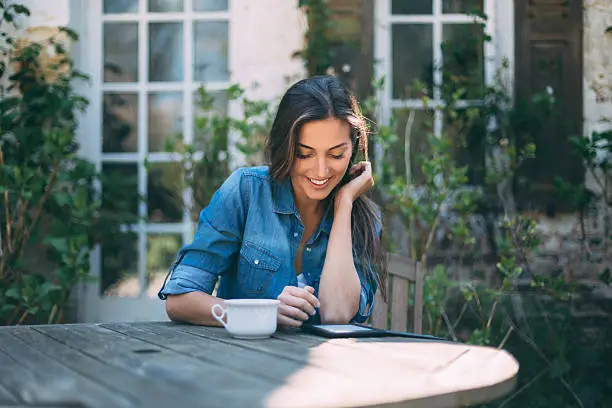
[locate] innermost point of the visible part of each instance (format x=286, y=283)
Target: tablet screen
x=341, y=328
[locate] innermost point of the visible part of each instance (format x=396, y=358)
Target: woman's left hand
x=359, y=185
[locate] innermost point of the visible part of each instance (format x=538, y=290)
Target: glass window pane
x=120, y=188
x=166, y=56
x=165, y=119
x=165, y=6
x=161, y=252
x=419, y=132
x=463, y=59
x=210, y=50
x=120, y=6
x=468, y=134
x=412, y=59
x=411, y=6
x=165, y=192
x=119, y=274
x=119, y=123
x=209, y=5
x=462, y=6
x=121, y=52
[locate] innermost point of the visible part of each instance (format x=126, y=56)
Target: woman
x=300, y=230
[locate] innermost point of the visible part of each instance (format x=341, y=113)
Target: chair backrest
x=393, y=314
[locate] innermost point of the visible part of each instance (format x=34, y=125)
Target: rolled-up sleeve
x=216, y=241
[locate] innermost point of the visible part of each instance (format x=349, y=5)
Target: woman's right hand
x=296, y=305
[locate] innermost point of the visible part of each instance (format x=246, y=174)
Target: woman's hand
x=357, y=186
x=296, y=304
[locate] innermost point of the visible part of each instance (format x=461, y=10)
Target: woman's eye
x=302, y=156
x=333, y=156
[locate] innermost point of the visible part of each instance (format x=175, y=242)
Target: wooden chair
x=402, y=272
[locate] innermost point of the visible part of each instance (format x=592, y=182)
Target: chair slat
x=380, y=313
x=399, y=304
x=417, y=319
x=403, y=271
x=402, y=266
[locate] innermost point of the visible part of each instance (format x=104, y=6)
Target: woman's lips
x=319, y=183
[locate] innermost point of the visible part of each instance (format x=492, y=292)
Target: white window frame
x=90, y=60
x=383, y=53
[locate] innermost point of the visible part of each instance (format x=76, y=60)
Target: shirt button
x=295, y=234
x=307, y=249
x=256, y=262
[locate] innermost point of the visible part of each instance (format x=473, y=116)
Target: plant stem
x=39, y=209
x=7, y=214
x=22, y=318
x=430, y=238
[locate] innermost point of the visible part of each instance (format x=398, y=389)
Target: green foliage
x=317, y=53
x=52, y=215
x=205, y=163
x=516, y=307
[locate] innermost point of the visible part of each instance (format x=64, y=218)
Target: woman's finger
x=297, y=302
x=304, y=294
x=292, y=312
x=357, y=167
x=287, y=321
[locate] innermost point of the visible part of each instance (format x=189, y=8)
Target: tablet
x=358, y=330
x=342, y=330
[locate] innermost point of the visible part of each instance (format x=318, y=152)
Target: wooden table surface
x=171, y=365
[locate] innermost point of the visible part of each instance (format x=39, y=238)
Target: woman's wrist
x=341, y=202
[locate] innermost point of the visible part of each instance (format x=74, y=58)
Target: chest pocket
x=256, y=269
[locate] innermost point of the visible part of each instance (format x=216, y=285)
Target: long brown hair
x=320, y=98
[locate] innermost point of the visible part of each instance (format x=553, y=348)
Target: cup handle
x=218, y=308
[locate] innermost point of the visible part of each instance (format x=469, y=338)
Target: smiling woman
x=300, y=230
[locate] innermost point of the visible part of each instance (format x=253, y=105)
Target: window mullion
x=188, y=113
x=489, y=46
x=437, y=63
x=143, y=71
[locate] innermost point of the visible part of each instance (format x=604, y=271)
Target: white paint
x=597, y=65
x=51, y=13
x=263, y=36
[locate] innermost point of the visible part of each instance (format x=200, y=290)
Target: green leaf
x=59, y=244
x=70, y=33
x=13, y=293
x=21, y=9
x=47, y=287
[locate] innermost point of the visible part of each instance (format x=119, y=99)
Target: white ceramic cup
x=248, y=318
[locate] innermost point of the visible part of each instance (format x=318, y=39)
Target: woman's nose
x=322, y=168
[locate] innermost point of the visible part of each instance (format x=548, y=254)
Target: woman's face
x=323, y=155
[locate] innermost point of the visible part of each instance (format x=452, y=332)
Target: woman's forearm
x=192, y=307
x=339, y=288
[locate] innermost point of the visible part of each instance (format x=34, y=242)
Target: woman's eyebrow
x=331, y=148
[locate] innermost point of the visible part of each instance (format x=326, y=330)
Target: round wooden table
x=165, y=364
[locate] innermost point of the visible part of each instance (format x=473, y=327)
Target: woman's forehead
x=324, y=134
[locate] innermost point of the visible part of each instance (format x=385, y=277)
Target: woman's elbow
x=336, y=317
x=172, y=309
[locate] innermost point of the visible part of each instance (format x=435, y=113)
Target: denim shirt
x=248, y=236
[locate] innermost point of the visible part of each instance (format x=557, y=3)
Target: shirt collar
x=284, y=203
x=283, y=197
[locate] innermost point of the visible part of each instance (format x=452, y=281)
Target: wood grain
x=164, y=364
